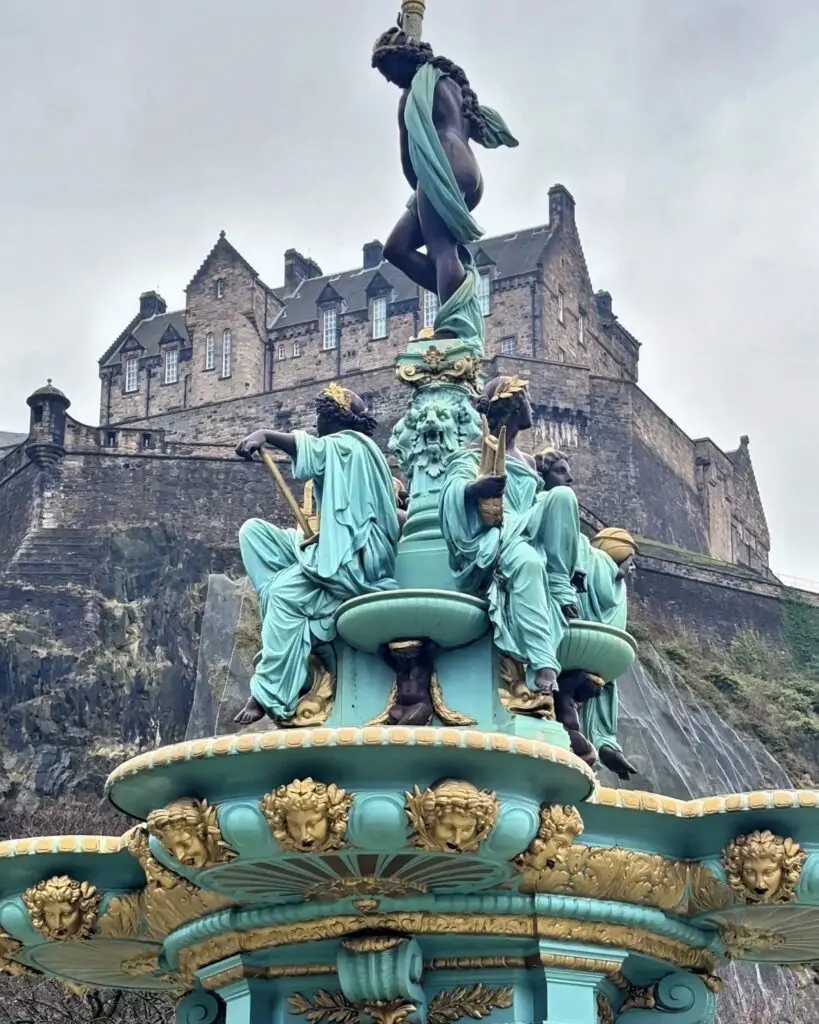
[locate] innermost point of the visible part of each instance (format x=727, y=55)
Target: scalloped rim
x=422, y=736
x=757, y=800
x=61, y=844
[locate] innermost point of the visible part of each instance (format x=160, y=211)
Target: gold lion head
x=189, y=831
x=62, y=908
x=762, y=867
x=451, y=816
x=308, y=816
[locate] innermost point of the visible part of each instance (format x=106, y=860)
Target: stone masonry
x=632, y=464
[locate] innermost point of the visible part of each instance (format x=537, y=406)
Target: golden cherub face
x=762, y=875
x=63, y=918
x=454, y=828
x=187, y=846
x=308, y=827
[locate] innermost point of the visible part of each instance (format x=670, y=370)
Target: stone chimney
x=561, y=206
x=151, y=304
x=373, y=254
x=298, y=268
x=604, y=310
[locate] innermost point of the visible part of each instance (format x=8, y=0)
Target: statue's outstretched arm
x=247, y=448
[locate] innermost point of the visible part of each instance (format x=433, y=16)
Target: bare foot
x=250, y=713
x=616, y=762
x=546, y=680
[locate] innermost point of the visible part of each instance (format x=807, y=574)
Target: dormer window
x=485, y=292
x=171, y=365
x=429, y=308
x=210, y=352
x=380, y=316
x=131, y=375
x=220, y=288
x=227, y=352
x=329, y=329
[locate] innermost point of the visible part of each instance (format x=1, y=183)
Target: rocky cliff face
x=125, y=639
x=93, y=671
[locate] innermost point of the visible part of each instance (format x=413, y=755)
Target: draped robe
x=299, y=589
x=524, y=566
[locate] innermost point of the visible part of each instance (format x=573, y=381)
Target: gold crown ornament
x=513, y=386
x=338, y=395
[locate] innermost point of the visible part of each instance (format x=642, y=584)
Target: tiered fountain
x=423, y=839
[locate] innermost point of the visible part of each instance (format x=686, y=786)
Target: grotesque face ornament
x=763, y=868
x=189, y=831
x=62, y=908
x=307, y=816
x=452, y=816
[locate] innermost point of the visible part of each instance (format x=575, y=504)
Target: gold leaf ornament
x=476, y=1002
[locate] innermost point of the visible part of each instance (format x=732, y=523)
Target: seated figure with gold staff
x=507, y=541
x=301, y=577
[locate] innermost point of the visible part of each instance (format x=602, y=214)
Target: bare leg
x=442, y=249
x=401, y=249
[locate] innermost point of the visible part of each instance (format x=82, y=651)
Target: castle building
x=243, y=353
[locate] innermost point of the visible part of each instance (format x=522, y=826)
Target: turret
x=46, y=440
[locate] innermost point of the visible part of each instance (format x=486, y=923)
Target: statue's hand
x=486, y=487
x=570, y=611
x=579, y=581
x=252, y=443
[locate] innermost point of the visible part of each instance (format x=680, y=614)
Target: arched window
x=280, y=352
x=220, y=288
x=227, y=352
x=210, y=352
x=296, y=348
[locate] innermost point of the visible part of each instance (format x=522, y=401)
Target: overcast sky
x=686, y=130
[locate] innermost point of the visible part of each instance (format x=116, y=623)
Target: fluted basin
x=602, y=650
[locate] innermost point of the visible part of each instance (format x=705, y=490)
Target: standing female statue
x=525, y=560
x=300, y=585
x=438, y=118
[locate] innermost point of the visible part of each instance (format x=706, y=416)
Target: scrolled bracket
x=682, y=997
x=200, y=1007
x=381, y=971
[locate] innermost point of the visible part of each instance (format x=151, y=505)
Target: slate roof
x=148, y=333
x=517, y=252
x=9, y=440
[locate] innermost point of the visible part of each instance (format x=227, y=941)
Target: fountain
x=407, y=825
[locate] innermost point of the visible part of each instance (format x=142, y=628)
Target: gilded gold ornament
x=763, y=868
x=8, y=948
x=329, y=1007
x=451, y=816
x=372, y=943
x=559, y=826
x=338, y=395
x=62, y=908
x=189, y=831
x=135, y=841
x=605, y=1014
x=638, y=999
x=741, y=941
x=462, y=370
x=706, y=891
x=394, y=1011
x=307, y=816
x=343, y=888
x=516, y=696
x=314, y=707
x=476, y=1001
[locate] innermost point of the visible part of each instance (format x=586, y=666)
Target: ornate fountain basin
x=602, y=650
